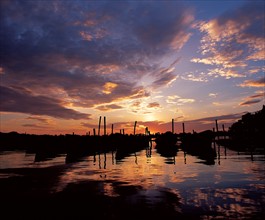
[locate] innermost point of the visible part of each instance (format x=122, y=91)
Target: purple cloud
x=70, y=50
x=12, y=100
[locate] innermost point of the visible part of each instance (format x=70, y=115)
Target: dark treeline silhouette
x=247, y=133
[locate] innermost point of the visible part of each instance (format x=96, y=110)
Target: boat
x=166, y=139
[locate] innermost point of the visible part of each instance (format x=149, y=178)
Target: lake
x=140, y=185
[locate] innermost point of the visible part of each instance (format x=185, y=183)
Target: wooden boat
x=166, y=144
x=166, y=139
x=203, y=139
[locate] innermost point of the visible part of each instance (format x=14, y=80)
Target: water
x=232, y=187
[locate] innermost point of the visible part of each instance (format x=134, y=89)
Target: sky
x=66, y=63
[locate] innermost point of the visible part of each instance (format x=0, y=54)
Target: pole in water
x=183, y=127
x=216, y=125
x=104, y=125
x=134, y=128
x=99, y=122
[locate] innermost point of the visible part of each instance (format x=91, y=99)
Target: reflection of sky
x=234, y=187
x=20, y=159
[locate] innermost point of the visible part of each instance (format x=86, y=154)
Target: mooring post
x=217, y=132
x=183, y=127
x=105, y=125
x=111, y=128
x=99, y=122
x=146, y=130
x=94, y=131
x=173, y=125
x=134, y=127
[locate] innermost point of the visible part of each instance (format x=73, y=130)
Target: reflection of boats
x=203, y=139
x=166, y=144
x=166, y=139
x=167, y=150
x=199, y=144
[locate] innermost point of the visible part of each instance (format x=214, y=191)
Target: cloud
x=153, y=105
x=197, y=124
x=195, y=77
x=233, y=39
x=40, y=119
x=214, y=95
x=19, y=101
x=178, y=100
x=229, y=118
x=253, y=83
x=109, y=87
x=257, y=70
x=259, y=95
x=109, y=107
x=253, y=99
x=89, y=53
x=161, y=126
x=250, y=102
x=216, y=103
x=227, y=73
x=165, y=76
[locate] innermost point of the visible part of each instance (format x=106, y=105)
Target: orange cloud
x=253, y=83
x=232, y=40
x=227, y=73
x=109, y=87
x=153, y=105
x=109, y=107
x=86, y=36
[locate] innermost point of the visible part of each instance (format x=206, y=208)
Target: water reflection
x=179, y=184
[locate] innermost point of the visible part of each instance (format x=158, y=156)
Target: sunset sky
x=66, y=63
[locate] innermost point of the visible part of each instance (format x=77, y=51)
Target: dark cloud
x=70, y=50
x=40, y=119
x=253, y=99
x=228, y=117
x=18, y=101
x=257, y=96
x=251, y=102
x=165, y=79
x=165, y=75
x=197, y=125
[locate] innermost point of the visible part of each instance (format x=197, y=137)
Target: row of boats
x=197, y=144
x=75, y=146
